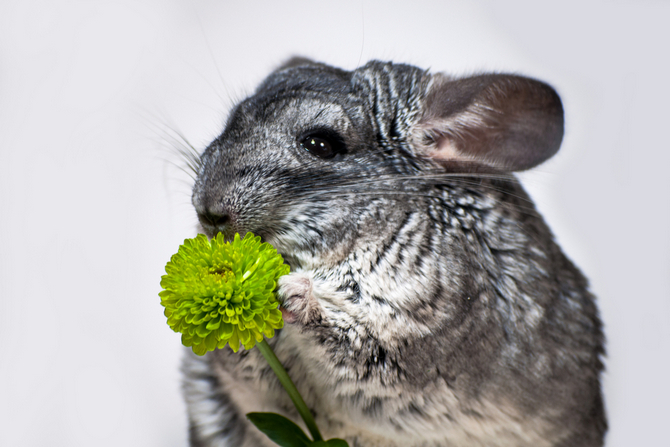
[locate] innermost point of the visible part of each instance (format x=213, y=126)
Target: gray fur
x=430, y=305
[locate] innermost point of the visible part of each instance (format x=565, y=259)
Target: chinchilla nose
x=213, y=215
x=214, y=218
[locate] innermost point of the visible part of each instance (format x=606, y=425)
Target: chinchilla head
x=319, y=158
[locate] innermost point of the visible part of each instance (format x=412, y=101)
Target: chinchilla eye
x=322, y=145
x=318, y=146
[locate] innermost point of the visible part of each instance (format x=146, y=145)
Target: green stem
x=292, y=391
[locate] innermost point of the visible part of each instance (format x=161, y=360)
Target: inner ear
x=506, y=122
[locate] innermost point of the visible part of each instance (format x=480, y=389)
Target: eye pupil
x=318, y=146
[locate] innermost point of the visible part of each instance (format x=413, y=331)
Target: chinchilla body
x=428, y=303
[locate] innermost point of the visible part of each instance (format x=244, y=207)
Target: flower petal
x=217, y=292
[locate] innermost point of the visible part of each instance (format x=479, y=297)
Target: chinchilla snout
x=215, y=213
x=230, y=189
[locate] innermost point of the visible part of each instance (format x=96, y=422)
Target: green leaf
x=335, y=442
x=281, y=430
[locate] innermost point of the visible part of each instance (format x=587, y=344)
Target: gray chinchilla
x=428, y=303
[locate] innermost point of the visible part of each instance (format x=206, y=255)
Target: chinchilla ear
x=506, y=122
x=297, y=70
x=299, y=61
x=295, y=61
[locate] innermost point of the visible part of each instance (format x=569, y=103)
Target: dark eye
x=318, y=146
x=323, y=146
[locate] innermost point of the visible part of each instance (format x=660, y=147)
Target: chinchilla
x=428, y=303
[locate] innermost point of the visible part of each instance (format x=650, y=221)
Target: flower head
x=218, y=292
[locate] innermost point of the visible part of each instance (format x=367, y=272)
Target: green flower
x=217, y=292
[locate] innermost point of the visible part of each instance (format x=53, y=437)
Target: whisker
x=308, y=184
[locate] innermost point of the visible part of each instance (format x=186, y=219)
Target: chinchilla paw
x=298, y=304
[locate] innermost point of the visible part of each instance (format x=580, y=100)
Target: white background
x=93, y=94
